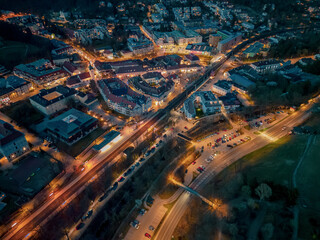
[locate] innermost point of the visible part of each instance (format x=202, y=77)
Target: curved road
x=171, y=221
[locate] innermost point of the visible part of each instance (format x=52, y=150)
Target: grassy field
x=308, y=184
x=276, y=162
x=16, y=52
x=23, y=113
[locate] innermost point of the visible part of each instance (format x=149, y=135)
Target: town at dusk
x=160, y=119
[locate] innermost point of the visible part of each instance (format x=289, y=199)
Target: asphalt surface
x=168, y=226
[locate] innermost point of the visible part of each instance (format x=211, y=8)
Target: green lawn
x=308, y=184
x=16, y=52
x=275, y=162
x=23, y=113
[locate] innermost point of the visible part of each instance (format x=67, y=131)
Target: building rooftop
x=8, y=133
x=110, y=136
x=266, y=62
x=68, y=122
x=199, y=47
x=241, y=80
x=38, y=68
x=230, y=99
x=223, y=84
x=157, y=90
x=192, y=57
x=149, y=75
x=16, y=82
x=117, y=91
x=47, y=97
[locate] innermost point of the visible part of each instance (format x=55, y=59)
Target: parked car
x=79, y=226
x=115, y=185
x=121, y=179
x=147, y=235
x=135, y=224
x=142, y=211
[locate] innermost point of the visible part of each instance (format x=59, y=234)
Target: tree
x=267, y=231
x=263, y=191
x=246, y=191
x=233, y=229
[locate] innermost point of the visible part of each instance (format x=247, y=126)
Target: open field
x=274, y=163
x=23, y=113
x=308, y=184
x=16, y=52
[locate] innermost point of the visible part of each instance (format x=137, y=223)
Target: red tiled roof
x=69, y=67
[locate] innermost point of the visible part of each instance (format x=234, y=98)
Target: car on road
x=88, y=215
x=115, y=185
x=79, y=226
x=135, y=224
x=129, y=171
x=104, y=196
x=142, y=159
x=200, y=169
x=142, y=211
x=147, y=153
x=147, y=235
x=121, y=179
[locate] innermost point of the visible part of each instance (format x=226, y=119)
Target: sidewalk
x=156, y=213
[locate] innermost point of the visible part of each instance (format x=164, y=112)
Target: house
x=174, y=77
x=206, y=101
x=80, y=80
x=86, y=99
x=199, y=48
x=71, y=68
x=253, y=49
x=228, y=41
x=230, y=102
x=157, y=91
x=39, y=72
x=241, y=80
x=50, y=101
x=123, y=99
x=266, y=66
x=59, y=60
x=191, y=59
x=12, y=142
x=20, y=85
x=152, y=77
x=222, y=87
x=70, y=126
